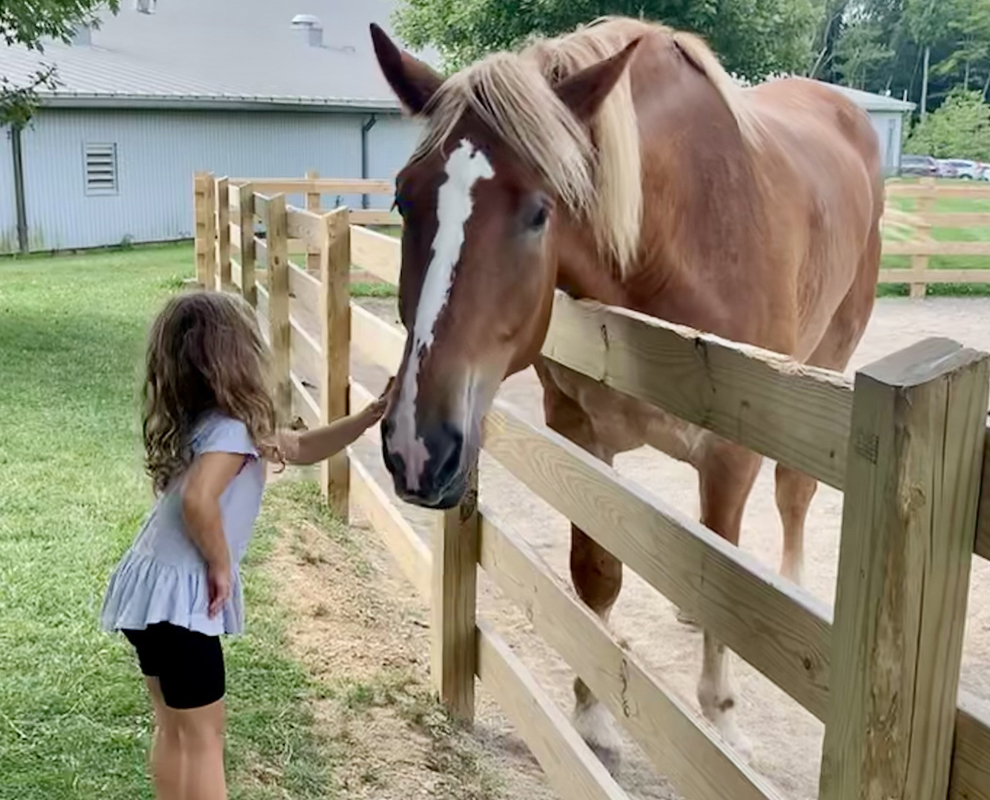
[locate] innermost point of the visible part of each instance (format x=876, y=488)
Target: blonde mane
x=598, y=176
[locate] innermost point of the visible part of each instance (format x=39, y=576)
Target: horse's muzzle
x=443, y=480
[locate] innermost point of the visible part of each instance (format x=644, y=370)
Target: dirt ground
x=362, y=634
x=787, y=740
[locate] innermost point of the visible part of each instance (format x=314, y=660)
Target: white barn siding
x=157, y=154
x=8, y=206
x=390, y=143
x=889, y=126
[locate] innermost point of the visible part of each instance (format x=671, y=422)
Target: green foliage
x=30, y=23
x=960, y=128
x=754, y=38
x=860, y=51
x=879, y=45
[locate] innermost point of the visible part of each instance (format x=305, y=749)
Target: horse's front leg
x=726, y=476
x=597, y=577
x=595, y=573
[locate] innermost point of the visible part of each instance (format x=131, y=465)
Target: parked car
x=925, y=166
x=960, y=168
x=945, y=169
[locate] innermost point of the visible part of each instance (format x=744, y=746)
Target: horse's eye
x=539, y=217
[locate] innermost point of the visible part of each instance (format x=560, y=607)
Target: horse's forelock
x=509, y=95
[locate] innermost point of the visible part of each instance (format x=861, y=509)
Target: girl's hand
x=218, y=585
x=380, y=407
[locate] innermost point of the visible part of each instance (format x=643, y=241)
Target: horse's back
x=823, y=154
x=824, y=125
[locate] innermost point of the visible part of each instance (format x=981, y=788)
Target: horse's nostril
x=446, y=456
x=393, y=463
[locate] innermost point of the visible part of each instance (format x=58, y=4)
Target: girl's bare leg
x=166, y=748
x=201, y=732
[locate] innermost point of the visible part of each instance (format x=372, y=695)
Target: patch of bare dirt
x=362, y=633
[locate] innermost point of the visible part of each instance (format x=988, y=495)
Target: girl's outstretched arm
x=310, y=447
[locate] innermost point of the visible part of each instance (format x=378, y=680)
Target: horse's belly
x=621, y=423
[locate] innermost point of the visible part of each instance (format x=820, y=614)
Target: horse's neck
x=700, y=202
x=581, y=270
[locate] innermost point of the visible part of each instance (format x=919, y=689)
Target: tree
x=827, y=39
x=960, y=128
x=754, y=38
x=880, y=46
x=861, y=51
x=29, y=23
x=969, y=29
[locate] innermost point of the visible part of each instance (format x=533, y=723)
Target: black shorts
x=188, y=664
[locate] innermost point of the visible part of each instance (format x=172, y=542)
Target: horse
x=621, y=163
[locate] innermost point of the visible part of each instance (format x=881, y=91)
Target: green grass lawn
x=74, y=719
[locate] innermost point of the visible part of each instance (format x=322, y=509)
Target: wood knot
x=912, y=499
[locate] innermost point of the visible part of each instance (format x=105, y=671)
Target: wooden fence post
x=201, y=225
x=919, y=264
x=245, y=199
x=313, y=204
x=210, y=232
x=908, y=527
x=277, y=240
x=335, y=319
x=453, y=605
x=223, y=234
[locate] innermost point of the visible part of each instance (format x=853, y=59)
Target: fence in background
x=907, y=444
x=909, y=233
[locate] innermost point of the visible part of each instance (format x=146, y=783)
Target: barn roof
x=219, y=53
x=874, y=102
x=237, y=53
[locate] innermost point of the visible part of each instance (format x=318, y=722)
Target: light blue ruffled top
x=162, y=578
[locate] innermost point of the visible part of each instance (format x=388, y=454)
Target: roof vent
x=82, y=36
x=145, y=6
x=309, y=28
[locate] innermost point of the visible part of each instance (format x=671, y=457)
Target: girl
x=208, y=428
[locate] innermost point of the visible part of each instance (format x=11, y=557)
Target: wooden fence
x=909, y=233
x=217, y=199
x=906, y=442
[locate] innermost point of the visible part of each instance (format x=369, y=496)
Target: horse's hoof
x=610, y=757
x=737, y=741
x=597, y=727
x=686, y=619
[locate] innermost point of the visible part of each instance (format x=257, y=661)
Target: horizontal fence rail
x=314, y=188
x=909, y=233
x=799, y=416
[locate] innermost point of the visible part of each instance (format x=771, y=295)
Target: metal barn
x=887, y=115
x=248, y=88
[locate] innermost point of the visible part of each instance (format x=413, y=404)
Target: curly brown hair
x=205, y=353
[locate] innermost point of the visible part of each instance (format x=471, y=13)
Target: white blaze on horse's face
x=465, y=166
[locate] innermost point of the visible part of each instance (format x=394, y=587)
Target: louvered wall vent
x=101, y=168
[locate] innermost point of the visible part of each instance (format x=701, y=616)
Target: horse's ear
x=585, y=91
x=412, y=81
